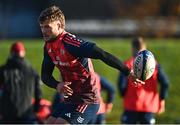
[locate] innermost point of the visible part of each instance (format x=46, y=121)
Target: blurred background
x=122, y=18
x=111, y=24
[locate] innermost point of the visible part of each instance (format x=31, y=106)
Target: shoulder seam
x=71, y=40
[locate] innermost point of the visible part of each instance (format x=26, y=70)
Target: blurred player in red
x=19, y=82
x=71, y=55
x=141, y=102
x=44, y=110
x=105, y=105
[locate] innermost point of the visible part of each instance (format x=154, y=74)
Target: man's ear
x=59, y=25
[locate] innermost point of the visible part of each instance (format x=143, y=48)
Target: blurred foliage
x=142, y=8
x=98, y=8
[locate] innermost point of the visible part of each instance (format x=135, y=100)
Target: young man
x=142, y=101
x=71, y=56
x=18, y=83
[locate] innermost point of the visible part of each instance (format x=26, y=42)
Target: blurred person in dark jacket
x=141, y=102
x=18, y=82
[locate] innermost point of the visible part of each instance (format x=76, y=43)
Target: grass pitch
x=166, y=52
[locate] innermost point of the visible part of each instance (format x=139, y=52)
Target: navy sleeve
x=122, y=84
x=81, y=48
x=78, y=47
x=47, y=71
x=164, y=82
x=106, y=85
x=109, y=59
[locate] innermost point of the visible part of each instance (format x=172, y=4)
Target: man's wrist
x=59, y=87
x=127, y=71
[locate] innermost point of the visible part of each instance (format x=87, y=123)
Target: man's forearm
x=49, y=81
x=110, y=60
x=46, y=75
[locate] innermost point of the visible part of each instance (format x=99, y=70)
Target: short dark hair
x=51, y=14
x=138, y=43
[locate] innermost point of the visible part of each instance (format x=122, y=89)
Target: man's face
x=50, y=30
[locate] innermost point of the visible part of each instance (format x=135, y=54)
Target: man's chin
x=50, y=40
x=46, y=39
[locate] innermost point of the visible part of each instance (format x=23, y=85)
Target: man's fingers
x=64, y=89
x=139, y=81
x=67, y=83
x=135, y=79
x=68, y=90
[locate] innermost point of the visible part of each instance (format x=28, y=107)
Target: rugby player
x=71, y=55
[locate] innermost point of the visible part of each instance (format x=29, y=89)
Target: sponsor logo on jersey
x=61, y=63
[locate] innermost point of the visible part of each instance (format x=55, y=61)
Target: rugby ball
x=144, y=65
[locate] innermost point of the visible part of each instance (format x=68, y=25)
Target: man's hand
x=135, y=79
x=161, y=107
x=64, y=89
x=108, y=107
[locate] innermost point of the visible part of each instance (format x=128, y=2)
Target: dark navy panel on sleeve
x=78, y=47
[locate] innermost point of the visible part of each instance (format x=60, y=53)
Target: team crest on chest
x=57, y=58
x=62, y=52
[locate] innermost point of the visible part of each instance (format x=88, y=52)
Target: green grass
x=166, y=51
